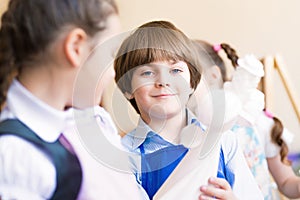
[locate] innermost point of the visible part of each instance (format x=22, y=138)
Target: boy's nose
x=162, y=84
x=162, y=81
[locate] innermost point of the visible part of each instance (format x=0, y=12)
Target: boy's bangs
x=155, y=55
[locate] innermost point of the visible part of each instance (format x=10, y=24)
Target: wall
x=3, y=4
x=259, y=27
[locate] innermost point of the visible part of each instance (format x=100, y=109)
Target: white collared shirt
x=25, y=171
x=245, y=186
x=135, y=138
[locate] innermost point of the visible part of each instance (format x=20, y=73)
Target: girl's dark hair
x=28, y=27
x=154, y=41
x=276, y=137
x=231, y=54
x=210, y=57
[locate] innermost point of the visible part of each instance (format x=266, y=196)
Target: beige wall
x=259, y=27
x=3, y=4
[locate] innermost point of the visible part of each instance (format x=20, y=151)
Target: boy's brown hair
x=154, y=41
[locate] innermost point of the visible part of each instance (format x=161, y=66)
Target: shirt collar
x=96, y=114
x=47, y=122
x=135, y=138
x=138, y=136
x=192, y=119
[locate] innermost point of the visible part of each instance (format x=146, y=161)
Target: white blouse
x=27, y=173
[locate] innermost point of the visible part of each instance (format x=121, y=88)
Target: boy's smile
x=163, y=95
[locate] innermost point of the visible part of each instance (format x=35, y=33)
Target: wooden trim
x=267, y=81
x=280, y=66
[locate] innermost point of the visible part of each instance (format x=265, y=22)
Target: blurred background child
x=263, y=139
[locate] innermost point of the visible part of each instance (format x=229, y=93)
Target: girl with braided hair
x=261, y=136
x=47, y=54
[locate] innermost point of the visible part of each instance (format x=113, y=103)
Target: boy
x=157, y=71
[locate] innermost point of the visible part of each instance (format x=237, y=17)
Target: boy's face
x=161, y=89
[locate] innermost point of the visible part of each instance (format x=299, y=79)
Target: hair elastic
x=217, y=47
x=268, y=114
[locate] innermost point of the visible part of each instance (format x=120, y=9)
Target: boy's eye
x=147, y=73
x=176, y=71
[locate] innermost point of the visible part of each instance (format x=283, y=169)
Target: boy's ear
x=75, y=46
x=128, y=95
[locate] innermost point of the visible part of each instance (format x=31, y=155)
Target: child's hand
x=218, y=188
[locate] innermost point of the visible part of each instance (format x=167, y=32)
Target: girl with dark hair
x=45, y=53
